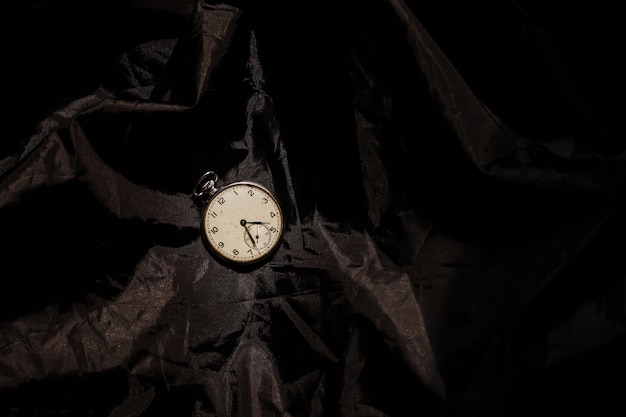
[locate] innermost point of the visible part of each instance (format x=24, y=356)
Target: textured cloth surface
x=452, y=177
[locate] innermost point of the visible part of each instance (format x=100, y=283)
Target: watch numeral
x=213, y=214
x=220, y=244
x=273, y=229
x=214, y=229
x=235, y=251
x=250, y=192
x=221, y=200
x=272, y=214
x=264, y=200
x=235, y=191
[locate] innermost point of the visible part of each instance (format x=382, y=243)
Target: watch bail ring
x=205, y=184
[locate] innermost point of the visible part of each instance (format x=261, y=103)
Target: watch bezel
x=242, y=262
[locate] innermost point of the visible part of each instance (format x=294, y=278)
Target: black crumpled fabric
x=452, y=177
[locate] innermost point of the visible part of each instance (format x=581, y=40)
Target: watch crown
x=205, y=185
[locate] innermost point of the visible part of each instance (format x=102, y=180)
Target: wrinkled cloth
x=452, y=178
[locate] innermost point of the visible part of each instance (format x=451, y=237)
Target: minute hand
x=244, y=223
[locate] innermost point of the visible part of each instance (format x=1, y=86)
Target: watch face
x=243, y=223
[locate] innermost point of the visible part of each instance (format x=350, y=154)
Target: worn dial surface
x=243, y=222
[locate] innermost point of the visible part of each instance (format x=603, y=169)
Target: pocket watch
x=242, y=222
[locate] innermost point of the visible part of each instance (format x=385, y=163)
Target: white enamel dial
x=243, y=222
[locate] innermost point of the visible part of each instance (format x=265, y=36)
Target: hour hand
x=244, y=222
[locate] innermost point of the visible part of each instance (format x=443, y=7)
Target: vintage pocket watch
x=242, y=222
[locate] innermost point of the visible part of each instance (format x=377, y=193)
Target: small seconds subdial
x=257, y=235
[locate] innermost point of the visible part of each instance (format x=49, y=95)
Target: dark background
x=453, y=178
